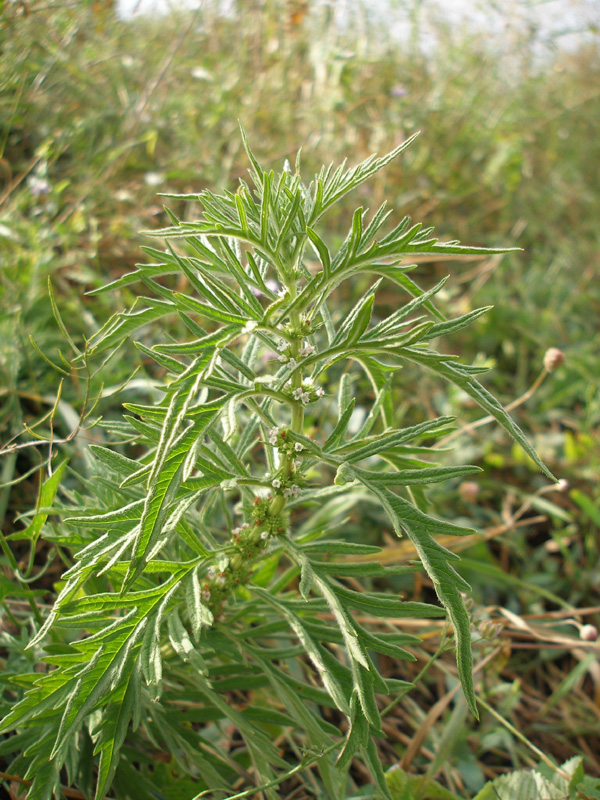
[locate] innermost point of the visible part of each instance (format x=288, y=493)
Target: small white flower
x=320, y=391
x=308, y=381
x=292, y=363
x=287, y=492
x=273, y=435
x=298, y=447
x=276, y=484
x=305, y=397
x=264, y=535
x=295, y=491
x=38, y=186
x=154, y=178
x=297, y=393
x=212, y=571
x=307, y=350
x=201, y=74
x=282, y=345
x=283, y=359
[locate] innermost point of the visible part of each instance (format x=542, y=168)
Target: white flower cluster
x=273, y=435
x=292, y=491
x=306, y=350
x=236, y=535
x=300, y=394
x=291, y=362
x=304, y=392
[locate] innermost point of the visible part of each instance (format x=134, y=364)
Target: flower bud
x=588, y=633
x=553, y=358
x=468, y=491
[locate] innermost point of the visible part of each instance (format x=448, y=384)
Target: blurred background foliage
x=98, y=114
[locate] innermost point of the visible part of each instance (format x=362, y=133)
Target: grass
x=97, y=116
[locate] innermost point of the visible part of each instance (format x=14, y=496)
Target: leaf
x=353, y=648
x=358, y=450
x=124, y=323
x=307, y=576
x=328, y=679
x=334, y=187
x=167, y=475
x=357, y=736
x=45, y=499
x=355, y=321
x=200, y=615
x=339, y=547
x=373, y=762
x=436, y=559
x=397, y=319
x=219, y=314
x=453, y=325
x=453, y=373
x=322, y=252
x=113, y=730
x=419, y=477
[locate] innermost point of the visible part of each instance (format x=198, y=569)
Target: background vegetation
x=98, y=115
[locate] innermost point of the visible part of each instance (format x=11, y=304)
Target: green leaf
x=45, y=499
x=164, y=482
x=329, y=681
x=335, y=186
x=123, y=324
x=322, y=251
x=200, y=615
x=112, y=732
x=453, y=373
x=419, y=477
x=187, y=303
x=357, y=450
x=339, y=548
x=436, y=559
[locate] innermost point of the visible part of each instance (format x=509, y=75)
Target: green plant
x=207, y=593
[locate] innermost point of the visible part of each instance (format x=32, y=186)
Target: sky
x=560, y=22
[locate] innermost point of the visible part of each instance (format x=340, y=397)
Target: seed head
x=553, y=358
x=588, y=633
x=468, y=491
